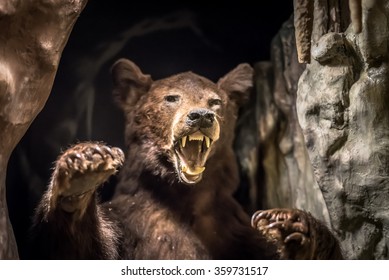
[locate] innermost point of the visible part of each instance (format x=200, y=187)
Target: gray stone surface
x=343, y=106
x=289, y=180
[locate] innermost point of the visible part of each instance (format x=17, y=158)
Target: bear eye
x=214, y=102
x=172, y=98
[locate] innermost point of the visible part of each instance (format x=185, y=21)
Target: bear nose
x=201, y=117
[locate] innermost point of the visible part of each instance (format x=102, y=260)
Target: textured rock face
x=343, y=105
x=288, y=176
x=33, y=35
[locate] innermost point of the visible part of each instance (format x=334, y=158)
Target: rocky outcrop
x=284, y=168
x=343, y=105
x=323, y=126
x=33, y=35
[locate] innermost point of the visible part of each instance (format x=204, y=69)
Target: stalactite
x=303, y=22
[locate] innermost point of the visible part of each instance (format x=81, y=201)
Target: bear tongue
x=192, y=157
x=192, y=152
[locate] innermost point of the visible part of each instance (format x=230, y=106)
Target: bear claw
x=287, y=228
x=296, y=237
x=84, y=167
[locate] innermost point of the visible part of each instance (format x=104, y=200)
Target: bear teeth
x=207, y=141
x=197, y=136
x=183, y=141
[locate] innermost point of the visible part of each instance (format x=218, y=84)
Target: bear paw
x=81, y=169
x=289, y=229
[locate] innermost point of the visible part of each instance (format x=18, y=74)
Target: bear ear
x=129, y=82
x=238, y=83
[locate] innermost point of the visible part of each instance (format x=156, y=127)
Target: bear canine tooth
x=183, y=141
x=207, y=141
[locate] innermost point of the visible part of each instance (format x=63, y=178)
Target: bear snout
x=202, y=118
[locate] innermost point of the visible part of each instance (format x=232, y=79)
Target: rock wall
x=321, y=110
x=343, y=109
x=285, y=175
x=33, y=35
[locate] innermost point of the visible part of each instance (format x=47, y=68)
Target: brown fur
x=175, y=195
x=68, y=222
x=201, y=220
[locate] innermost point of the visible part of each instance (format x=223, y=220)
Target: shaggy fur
x=164, y=217
x=175, y=195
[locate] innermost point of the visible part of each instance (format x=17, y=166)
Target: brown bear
x=174, y=199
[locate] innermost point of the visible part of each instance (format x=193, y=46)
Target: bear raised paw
x=68, y=214
x=79, y=171
x=174, y=199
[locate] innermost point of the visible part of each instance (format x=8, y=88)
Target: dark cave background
x=161, y=40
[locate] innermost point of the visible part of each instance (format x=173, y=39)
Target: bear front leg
x=77, y=174
x=297, y=234
x=69, y=223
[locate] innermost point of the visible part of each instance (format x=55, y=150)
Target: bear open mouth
x=192, y=152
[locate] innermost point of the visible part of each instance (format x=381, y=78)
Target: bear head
x=174, y=126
